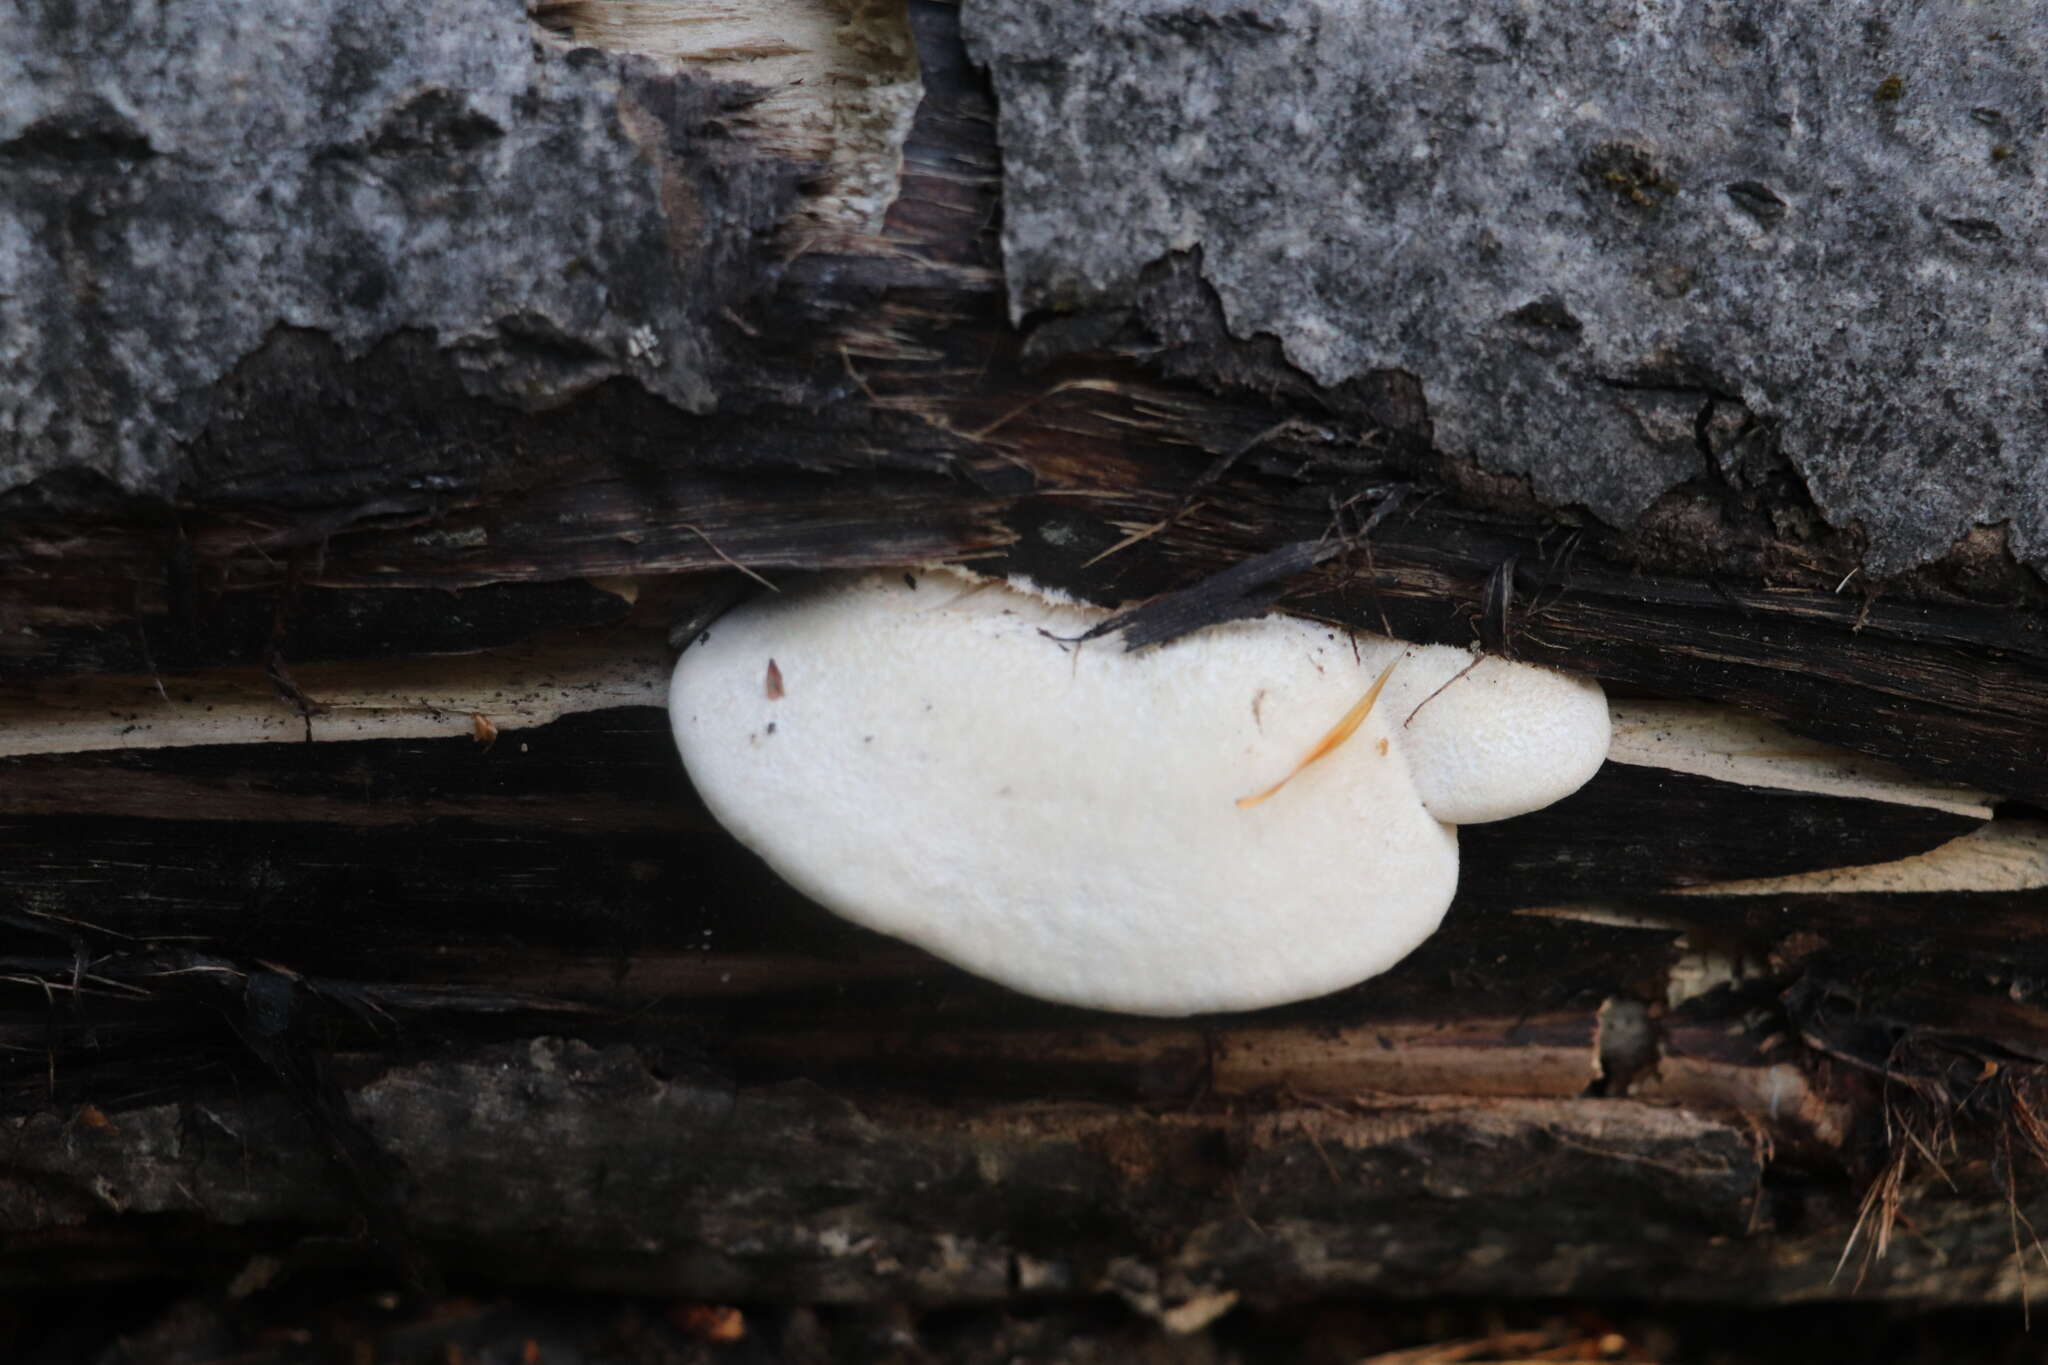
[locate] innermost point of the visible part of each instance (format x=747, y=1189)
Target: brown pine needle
x=1339, y=732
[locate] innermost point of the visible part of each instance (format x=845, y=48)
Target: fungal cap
x=1066, y=819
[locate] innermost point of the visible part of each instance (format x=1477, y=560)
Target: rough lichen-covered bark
x=1621, y=248
x=357, y=170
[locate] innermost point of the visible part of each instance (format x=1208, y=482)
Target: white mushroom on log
x=1260, y=812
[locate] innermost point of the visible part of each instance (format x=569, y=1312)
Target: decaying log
x=352, y=901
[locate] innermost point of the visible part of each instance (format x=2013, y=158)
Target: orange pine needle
x=1338, y=733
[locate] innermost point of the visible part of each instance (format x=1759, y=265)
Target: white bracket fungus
x=1221, y=823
